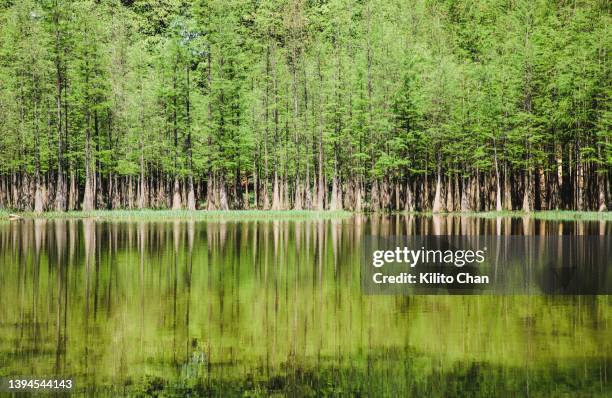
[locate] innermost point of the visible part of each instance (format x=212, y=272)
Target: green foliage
x=187, y=88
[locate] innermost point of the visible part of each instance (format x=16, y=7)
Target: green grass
x=231, y=215
x=550, y=215
x=236, y=215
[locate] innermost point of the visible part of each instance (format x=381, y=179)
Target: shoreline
x=234, y=215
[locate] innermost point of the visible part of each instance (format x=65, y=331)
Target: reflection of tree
x=282, y=304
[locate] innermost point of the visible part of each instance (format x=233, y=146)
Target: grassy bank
x=551, y=215
x=232, y=215
x=290, y=214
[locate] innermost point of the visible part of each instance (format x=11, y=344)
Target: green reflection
x=275, y=307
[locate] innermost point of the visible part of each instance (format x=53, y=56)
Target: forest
x=360, y=105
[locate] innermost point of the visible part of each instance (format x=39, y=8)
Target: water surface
x=260, y=308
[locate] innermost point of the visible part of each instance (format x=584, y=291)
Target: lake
x=259, y=308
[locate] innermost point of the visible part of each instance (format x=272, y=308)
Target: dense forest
x=305, y=104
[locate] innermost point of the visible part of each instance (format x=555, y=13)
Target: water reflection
x=130, y=308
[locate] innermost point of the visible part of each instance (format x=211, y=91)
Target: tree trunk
x=450, y=207
x=130, y=198
x=601, y=187
x=374, y=197
x=266, y=195
x=308, y=192
x=275, y=193
x=336, y=196
x=60, y=195
x=579, y=181
x=498, y=197
x=256, y=187
x=542, y=196
x=507, y=191
x=88, y=196
x=88, y=199
x=100, y=203
x=38, y=197
x=176, y=195
x=142, y=191
x=358, y=193
x=476, y=191
x=437, y=204
x=246, y=198
x=211, y=203
x=465, y=195
x=321, y=191
x=115, y=199
x=425, y=196
x=409, y=202
x=191, y=201
x=285, y=205
x=527, y=196
x=349, y=195
x=72, y=193
x=297, y=202
x=397, y=201
x=223, y=203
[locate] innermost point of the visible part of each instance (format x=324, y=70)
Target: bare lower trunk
x=498, y=205
x=38, y=198
x=559, y=178
x=498, y=201
x=542, y=190
x=211, y=203
x=601, y=187
x=425, y=193
x=115, y=199
x=191, y=201
x=297, y=202
x=348, y=199
x=527, y=195
x=276, y=194
x=507, y=191
x=498, y=196
x=266, y=195
x=88, y=195
x=336, y=196
x=142, y=193
x=465, y=195
x=374, y=197
x=60, y=193
x=476, y=191
x=285, y=205
x=176, y=195
x=223, y=203
x=246, y=200
x=579, y=183
x=73, y=193
x=15, y=192
x=409, y=202
x=321, y=193
x=397, y=201
x=385, y=197
x=358, y=206
x=98, y=189
x=130, y=193
x=450, y=206
x=437, y=204
x=307, y=193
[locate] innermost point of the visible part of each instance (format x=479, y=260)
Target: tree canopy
x=339, y=104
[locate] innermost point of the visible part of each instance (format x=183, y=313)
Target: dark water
x=275, y=308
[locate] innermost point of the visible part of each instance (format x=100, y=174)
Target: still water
x=260, y=308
